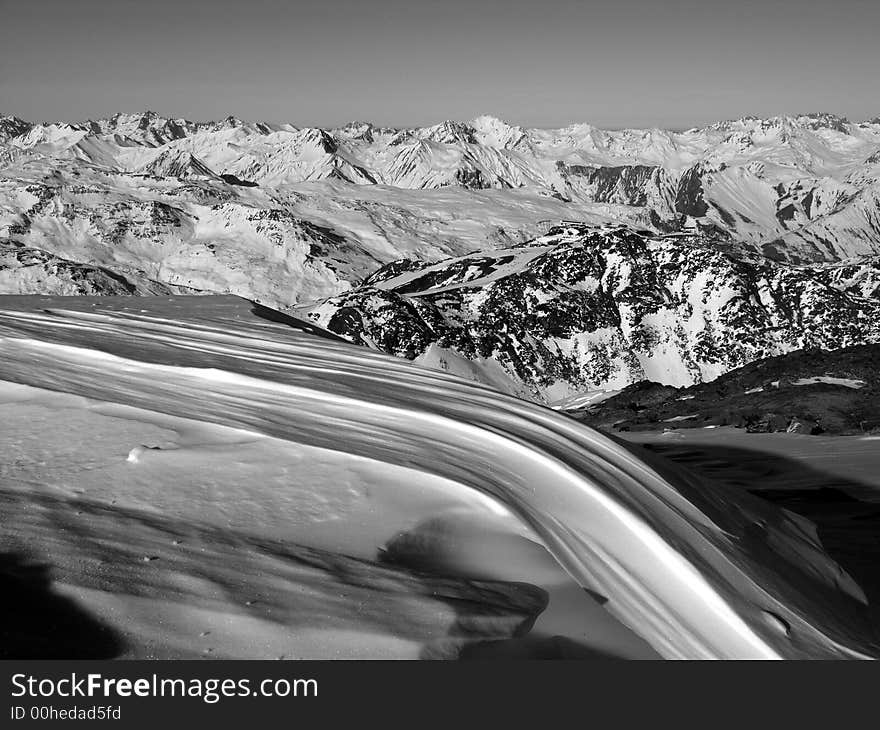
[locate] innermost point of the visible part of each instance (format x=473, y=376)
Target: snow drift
x=698, y=573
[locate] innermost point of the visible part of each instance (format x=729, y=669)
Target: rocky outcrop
x=595, y=308
x=806, y=391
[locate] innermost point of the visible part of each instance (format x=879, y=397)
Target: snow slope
x=697, y=573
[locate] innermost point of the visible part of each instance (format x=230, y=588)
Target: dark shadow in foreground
x=422, y=550
x=849, y=527
x=37, y=623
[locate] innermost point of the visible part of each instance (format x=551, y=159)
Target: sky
x=626, y=63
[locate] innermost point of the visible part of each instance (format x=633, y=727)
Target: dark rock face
x=601, y=308
x=392, y=270
x=807, y=391
x=689, y=195
x=344, y=170
x=767, y=423
x=322, y=140
x=450, y=132
x=408, y=326
x=472, y=179
x=12, y=127
x=233, y=180
x=624, y=185
x=823, y=120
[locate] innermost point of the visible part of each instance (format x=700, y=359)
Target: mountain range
x=547, y=262
x=587, y=308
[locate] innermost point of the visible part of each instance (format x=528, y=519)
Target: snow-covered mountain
x=543, y=261
x=586, y=308
x=799, y=188
x=174, y=219
x=547, y=264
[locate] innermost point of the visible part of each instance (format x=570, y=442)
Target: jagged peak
x=355, y=125
x=450, y=132
x=177, y=163
x=402, y=136
x=13, y=127
x=786, y=122
x=10, y=120
x=824, y=120
x=320, y=138
x=145, y=116
x=356, y=130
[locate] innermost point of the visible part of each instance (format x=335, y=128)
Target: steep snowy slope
x=697, y=572
x=178, y=164
x=586, y=308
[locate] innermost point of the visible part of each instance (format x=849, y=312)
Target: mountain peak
x=496, y=132
x=13, y=127
x=824, y=120
x=357, y=130
x=450, y=132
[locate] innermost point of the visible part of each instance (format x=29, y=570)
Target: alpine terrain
x=272, y=391
x=546, y=262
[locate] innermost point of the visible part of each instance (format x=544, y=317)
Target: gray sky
x=673, y=63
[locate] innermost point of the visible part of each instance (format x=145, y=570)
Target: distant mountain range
x=544, y=261
x=800, y=188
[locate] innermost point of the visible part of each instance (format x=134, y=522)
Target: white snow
x=582, y=400
x=658, y=546
x=845, y=382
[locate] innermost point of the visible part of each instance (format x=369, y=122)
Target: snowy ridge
x=585, y=308
x=691, y=253
x=684, y=566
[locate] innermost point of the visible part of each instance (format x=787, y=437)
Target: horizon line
x=615, y=128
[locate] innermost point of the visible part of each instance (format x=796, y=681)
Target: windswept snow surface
x=696, y=572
